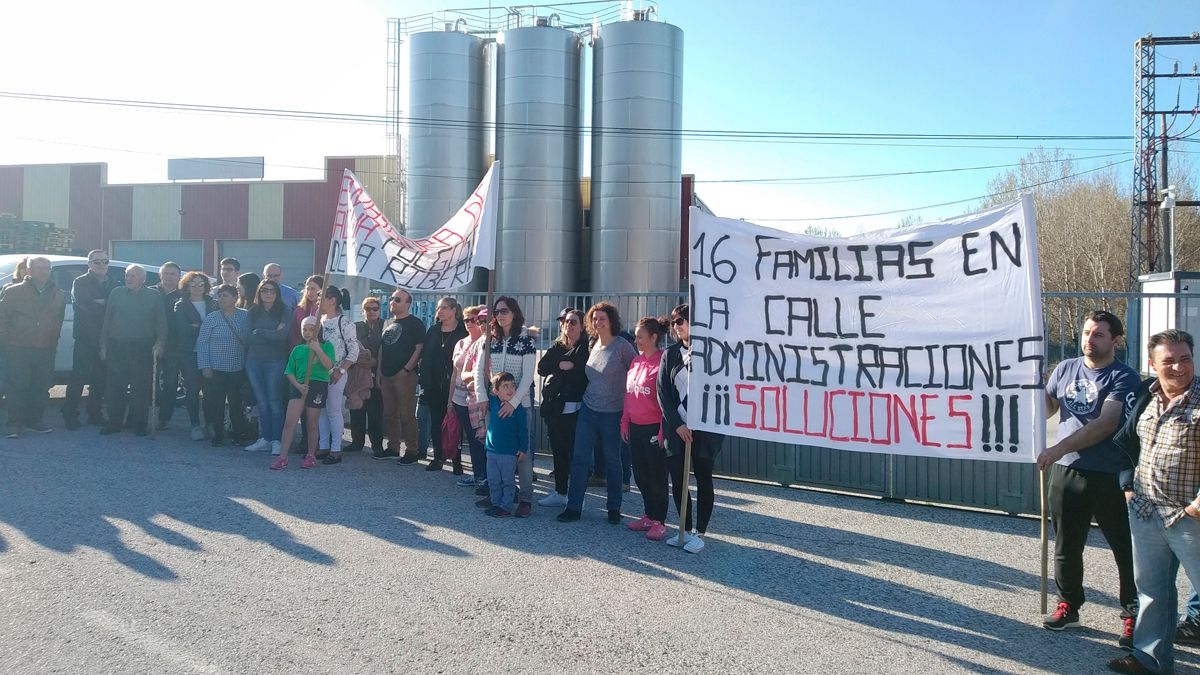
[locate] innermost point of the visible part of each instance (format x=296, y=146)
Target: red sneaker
x=657, y=531
x=641, y=524
x=279, y=463
x=309, y=462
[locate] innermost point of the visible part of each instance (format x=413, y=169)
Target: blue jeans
x=266, y=379
x=591, y=426
x=502, y=479
x=478, y=454
x=1158, y=552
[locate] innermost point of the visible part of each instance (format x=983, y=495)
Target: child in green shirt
x=308, y=390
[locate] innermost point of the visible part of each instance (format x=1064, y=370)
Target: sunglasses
x=97, y=262
x=479, y=321
x=397, y=298
x=503, y=310
x=570, y=322
x=679, y=322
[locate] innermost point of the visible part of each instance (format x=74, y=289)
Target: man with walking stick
x=1089, y=394
x=134, y=334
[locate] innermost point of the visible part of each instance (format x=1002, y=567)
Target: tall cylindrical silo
x=637, y=155
x=537, y=144
x=446, y=126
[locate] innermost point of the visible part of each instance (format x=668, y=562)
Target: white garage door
x=295, y=255
x=189, y=253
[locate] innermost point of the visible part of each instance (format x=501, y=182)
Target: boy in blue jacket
x=507, y=442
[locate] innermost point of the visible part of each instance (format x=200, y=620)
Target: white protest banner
x=364, y=244
x=924, y=341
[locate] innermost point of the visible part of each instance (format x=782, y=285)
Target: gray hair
x=136, y=268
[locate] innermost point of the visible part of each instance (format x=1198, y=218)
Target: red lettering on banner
x=854, y=396
x=762, y=394
x=887, y=425
x=737, y=395
x=954, y=412
x=872, y=417
x=925, y=417
x=829, y=412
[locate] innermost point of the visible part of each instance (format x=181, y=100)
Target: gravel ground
x=120, y=554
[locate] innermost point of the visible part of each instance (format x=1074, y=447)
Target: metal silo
x=537, y=144
x=445, y=128
x=637, y=116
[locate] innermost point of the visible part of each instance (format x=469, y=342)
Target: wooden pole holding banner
x=1045, y=538
x=686, y=498
x=153, y=421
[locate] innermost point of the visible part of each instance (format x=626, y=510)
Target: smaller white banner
x=364, y=244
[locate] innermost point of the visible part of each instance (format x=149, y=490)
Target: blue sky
x=1049, y=68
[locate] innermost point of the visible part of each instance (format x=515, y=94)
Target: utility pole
x=1152, y=232
x=1165, y=213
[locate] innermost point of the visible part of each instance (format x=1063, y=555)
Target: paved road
x=126, y=555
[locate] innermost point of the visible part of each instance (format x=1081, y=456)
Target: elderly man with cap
x=132, y=339
x=31, y=317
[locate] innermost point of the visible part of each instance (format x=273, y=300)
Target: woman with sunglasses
x=266, y=355
x=436, y=368
x=562, y=392
x=600, y=415
x=512, y=350
x=673, y=399
x=462, y=394
x=367, y=421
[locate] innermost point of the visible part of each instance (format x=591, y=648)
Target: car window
x=116, y=274
x=64, y=276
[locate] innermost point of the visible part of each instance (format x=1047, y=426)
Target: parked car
x=63, y=270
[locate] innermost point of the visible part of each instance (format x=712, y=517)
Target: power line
x=685, y=134
x=934, y=206
x=799, y=180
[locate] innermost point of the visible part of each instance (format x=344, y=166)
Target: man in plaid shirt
x=1162, y=439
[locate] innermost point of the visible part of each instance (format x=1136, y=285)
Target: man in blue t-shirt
x=1090, y=395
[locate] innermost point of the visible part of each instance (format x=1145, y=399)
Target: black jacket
x=186, y=322
x=704, y=443
x=563, y=386
x=1127, y=437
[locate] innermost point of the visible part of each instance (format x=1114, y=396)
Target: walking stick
x=152, y=422
x=1045, y=538
x=686, y=497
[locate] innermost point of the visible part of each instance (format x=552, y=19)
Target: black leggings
x=561, y=431
x=702, y=468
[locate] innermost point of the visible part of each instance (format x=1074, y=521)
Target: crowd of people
x=613, y=402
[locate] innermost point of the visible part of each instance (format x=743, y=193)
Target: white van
x=63, y=270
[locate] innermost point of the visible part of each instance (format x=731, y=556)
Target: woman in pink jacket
x=640, y=427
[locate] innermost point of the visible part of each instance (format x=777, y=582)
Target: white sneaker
x=553, y=499
x=197, y=433
x=694, y=545
x=259, y=445
x=276, y=447
x=673, y=539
